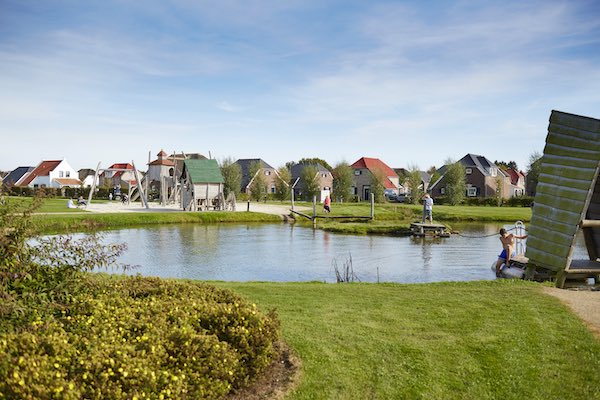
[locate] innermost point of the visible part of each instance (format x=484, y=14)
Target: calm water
x=290, y=253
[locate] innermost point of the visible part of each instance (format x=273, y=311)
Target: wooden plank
x=571, y=161
x=560, y=239
x=540, y=258
x=559, y=202
x=558, y=150
x=566, y=217
x=574, y=132
x=552, y=225
x=564, y=182
x=575, y=121
x=591, y=242
x=590, y=223
x=584, y=174
x=582, y=266
x=551, y=248
x=570, y=141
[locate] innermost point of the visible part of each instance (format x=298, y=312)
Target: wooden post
x=372, y=206
x=248, y=208
x=93, y=188
x=163, y=190
x=293, y=186
x=146, y=177
x=139, y=184
x=314, y=218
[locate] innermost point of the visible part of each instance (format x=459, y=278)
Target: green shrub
x=69, y=334
x=138, y=337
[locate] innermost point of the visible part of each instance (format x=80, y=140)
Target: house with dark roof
x=482, y=177
x=16, y=175
x=323, y=176
x=51, y=174
x=366, y=169
x=202, y=186
x=86, y=176
x=247, y=166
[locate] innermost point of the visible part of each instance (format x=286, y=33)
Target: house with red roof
x=366, y=169
x=517, y=182
x=52, y=174
x=117, y=175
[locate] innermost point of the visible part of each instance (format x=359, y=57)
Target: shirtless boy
x=508, y=243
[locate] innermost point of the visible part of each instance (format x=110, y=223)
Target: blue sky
x=409, y=82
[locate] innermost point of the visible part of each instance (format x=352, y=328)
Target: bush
x=69, y=334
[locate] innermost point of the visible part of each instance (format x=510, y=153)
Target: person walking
x=327, y=204
x=427, y=208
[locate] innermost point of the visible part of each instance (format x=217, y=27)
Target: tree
x=310, y=182
x=533, y=172
x=258, y=184
x=499, y=189
x=314, y=161
x=377, y=187
x=414, y=181
x=455, y=182
x=342, y=182
x=282, y=184
x=232, y=176
x=506, y=165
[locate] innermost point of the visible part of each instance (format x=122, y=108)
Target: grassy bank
x=473, y=340
x=52, y=223
x=395, y=219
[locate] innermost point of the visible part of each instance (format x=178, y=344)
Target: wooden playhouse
x=567, y=201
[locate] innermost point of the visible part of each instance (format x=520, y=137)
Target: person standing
x=427, y=208
x=327, y=204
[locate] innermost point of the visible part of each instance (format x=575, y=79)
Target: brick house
x=271, y=175
x=481, y=177
x=365, y=169
x=323, y=176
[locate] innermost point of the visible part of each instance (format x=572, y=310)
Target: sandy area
x=584, y=303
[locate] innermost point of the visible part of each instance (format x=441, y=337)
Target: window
x=60, y=174
x=472, y=191
x=273, y=189
x=357, y=172
x=493, y=171
x=171, y=171
x=267, y=173
x=468, y=171
x=442, y=191
x=68, y=174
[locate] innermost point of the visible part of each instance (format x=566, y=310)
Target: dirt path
x=584, y=303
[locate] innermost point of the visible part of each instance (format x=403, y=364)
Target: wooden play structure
x=567, y=201
x=202, y=186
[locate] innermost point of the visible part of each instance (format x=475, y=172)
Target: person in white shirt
x=427, y=208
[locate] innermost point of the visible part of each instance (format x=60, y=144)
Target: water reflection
x=292, y=253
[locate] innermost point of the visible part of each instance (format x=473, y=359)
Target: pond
x=285, y=253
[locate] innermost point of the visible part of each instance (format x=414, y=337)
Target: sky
x=413, y=83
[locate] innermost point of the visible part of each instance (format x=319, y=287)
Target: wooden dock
x=421, y=230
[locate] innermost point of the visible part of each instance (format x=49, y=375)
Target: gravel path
x=584, y=303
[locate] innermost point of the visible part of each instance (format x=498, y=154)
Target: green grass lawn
x=50, y=205
x=467, y=340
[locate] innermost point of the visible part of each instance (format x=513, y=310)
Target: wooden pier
x=421, y=230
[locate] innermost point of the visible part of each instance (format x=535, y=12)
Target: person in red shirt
x=327, y=204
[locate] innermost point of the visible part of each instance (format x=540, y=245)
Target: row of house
x=483, y=177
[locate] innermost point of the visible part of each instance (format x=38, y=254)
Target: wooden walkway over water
x=421, y=230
